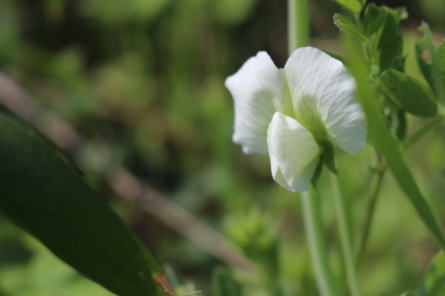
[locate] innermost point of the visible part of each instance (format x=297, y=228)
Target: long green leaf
x=385, y=142
x=45, y=196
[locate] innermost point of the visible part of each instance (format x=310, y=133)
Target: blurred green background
x=142, y=82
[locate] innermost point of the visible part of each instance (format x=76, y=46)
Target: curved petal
x=259, y=89
x=322, y=85
x=293, y=151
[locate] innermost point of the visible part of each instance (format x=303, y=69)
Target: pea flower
x=290, y=112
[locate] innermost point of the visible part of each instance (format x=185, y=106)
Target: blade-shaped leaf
x=431, y=71
x=45, y=196
x=433, y=283
x=384, y=141
x=408, y=93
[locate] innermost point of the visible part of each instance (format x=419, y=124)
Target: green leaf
x=224, y=284
x=390, y=43
x=46, y=197
x=441, y=56
x=328, y=156
x=374, y=19
x=431, y=71
x=407, y=293
x=384, y=141
x=353, y=5
x=433, y=283
x=408, y=93
x=401, y=125
x=349, y=27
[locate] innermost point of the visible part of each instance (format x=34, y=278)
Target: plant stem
x=422, y=131
x=317, y=243
x=297, y=24
x=345, y=237
x=381, y=172
x=370, y=213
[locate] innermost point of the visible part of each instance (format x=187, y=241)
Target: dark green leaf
x=317, y=173
x=431, y=70
x=374, y=19
x=401, y=125
x=349, y=27
x=224, y=284
x=407, y=93
x=433, y=283
x=328, y=156
x=46, y=197
x=441, y=56
x=390, y=43
x=353, y=5
x=387, y=144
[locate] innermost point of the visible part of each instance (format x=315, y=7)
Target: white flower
x=289, y=112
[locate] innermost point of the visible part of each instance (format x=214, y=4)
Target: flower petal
x=259, y=89
x=293, y=151
x=323, y=85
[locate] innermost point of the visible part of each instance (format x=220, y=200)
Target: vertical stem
x=297, y=24
x=370, y=212
x=298, y=36
x=317, y=243
x=345, y=237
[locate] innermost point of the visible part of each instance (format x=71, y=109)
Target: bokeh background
x=138, y=85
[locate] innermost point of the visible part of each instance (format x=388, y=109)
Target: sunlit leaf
x=385, y=142
x=408, y=93
x=431, y=70
x=433, y=283
x=45, y=196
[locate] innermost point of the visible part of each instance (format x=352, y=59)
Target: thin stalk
x=422, y=131
x=381, y=172
x=297, y=24
x=345, y=237
x=370, y=214
x=317, y=243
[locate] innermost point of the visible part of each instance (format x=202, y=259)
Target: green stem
x=345, y=237
x=317, y=243
x=421, y=132
x=297, y=24
x=370, y=213
x=381, y=172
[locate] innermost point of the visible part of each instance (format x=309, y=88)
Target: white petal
x=259, y=89
x=322, y=85
x=293, y=151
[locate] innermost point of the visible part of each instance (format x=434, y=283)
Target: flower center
x=306, y=113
